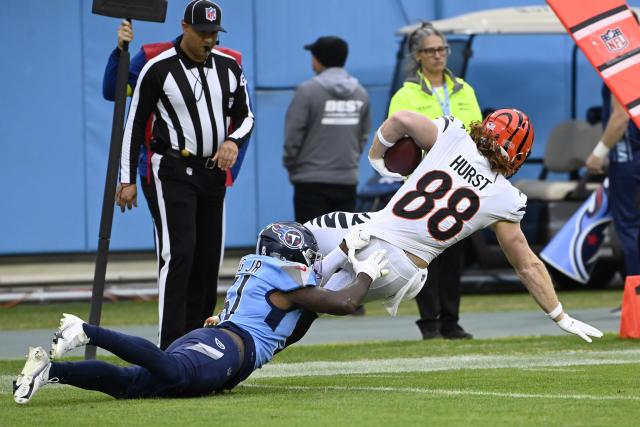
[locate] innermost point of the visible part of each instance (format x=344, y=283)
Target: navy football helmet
x=290, y=241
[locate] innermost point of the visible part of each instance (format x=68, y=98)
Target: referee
x=196, y=95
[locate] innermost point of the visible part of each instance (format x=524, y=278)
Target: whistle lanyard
x=444, y=105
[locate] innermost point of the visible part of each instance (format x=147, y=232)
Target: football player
x=260, y=312
x=460, y=187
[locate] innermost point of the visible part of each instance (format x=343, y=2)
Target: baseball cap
x=330, y=51
x=203, y=15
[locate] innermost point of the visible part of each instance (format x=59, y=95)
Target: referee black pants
x=190, y=236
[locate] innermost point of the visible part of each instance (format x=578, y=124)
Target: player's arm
x=344, y=301
x=613, y=132
x=536, y=279
x=529, y=267
x=423, y=130
x=320, y=300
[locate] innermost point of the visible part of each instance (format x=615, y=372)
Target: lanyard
x=444, y=105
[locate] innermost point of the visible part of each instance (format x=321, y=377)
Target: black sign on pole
x=143, y=10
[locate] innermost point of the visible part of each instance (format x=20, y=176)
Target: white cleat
x=34, y=375
x=69, y=336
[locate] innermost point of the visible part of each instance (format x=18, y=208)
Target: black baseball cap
x=204, y=15
x=330, y=51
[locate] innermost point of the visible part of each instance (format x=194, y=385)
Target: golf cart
x=551, y=203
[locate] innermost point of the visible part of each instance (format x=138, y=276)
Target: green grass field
x=125, y=313
x=554, y=380
x=528, y=382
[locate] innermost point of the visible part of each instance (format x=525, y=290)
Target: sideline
x=360, y=329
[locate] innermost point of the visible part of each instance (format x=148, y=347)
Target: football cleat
x=69, y=336
x=34, y=375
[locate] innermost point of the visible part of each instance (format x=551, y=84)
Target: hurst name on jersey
x=452, y=193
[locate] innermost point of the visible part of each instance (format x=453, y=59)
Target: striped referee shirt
x=193, y=104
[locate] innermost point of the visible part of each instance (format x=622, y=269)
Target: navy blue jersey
x=247, y=304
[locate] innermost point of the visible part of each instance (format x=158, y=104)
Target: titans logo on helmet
x=289, y=236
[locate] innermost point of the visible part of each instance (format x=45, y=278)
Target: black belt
x=190, y=159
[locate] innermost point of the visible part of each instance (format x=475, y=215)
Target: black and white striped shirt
x=193, y=103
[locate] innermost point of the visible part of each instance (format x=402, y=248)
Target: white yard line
x=448, y=392
x=427, y=364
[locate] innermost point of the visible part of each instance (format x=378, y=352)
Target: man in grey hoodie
x=326, y=130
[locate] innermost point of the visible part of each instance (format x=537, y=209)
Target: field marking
x=429, y=364
x=447, y=392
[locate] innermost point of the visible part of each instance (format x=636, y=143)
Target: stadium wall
x=55, y=126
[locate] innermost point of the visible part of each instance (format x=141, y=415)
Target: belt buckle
x=210, y=163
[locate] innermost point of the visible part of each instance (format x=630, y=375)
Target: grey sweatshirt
x=326, y=129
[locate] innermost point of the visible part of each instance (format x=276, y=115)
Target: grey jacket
x=326, y=129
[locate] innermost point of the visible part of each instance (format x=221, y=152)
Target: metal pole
x=108, y=201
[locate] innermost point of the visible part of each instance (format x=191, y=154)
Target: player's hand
x=372, y=266
x=355, y=239
x=226, y=155
x=125, y=33
x=595, y=165
x=127, y=196
x=574, y=326
x=378, y=165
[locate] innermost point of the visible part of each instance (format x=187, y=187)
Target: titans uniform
x=451, y=194
x=203, y=360
x=247, y=304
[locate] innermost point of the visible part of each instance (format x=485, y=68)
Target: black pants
x=439, y=300
x=149, y=190
x=312, y=199
x=190, y=236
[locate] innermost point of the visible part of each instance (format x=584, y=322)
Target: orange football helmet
x=514, y=133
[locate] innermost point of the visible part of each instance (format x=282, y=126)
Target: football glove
x=372, y=266
x=378, y=165
x=574, y=326
x=356, y=240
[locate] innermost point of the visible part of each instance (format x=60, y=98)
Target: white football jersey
x=451, y=194
x=329, y=229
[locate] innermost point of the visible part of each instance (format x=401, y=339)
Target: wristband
x=384, y=141
x=556, y=311
x=601, y=150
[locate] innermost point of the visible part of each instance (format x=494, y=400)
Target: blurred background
x=55, y=126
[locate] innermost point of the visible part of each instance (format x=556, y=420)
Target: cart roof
x=510, y=20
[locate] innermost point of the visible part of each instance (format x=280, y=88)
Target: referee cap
x=203, y=15
x=330, y=51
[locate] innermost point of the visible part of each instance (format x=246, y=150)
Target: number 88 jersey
x=451, y=194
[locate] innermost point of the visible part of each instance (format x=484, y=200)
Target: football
x=403, y=157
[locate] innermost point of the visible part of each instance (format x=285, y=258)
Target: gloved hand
x=354, y=239
x=372, y=266
x=574, y=326
x=378, y=165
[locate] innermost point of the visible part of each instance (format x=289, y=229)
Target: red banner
x=609, y=36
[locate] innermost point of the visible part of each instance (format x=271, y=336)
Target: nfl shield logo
x=614, y=40
x=211, y=14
